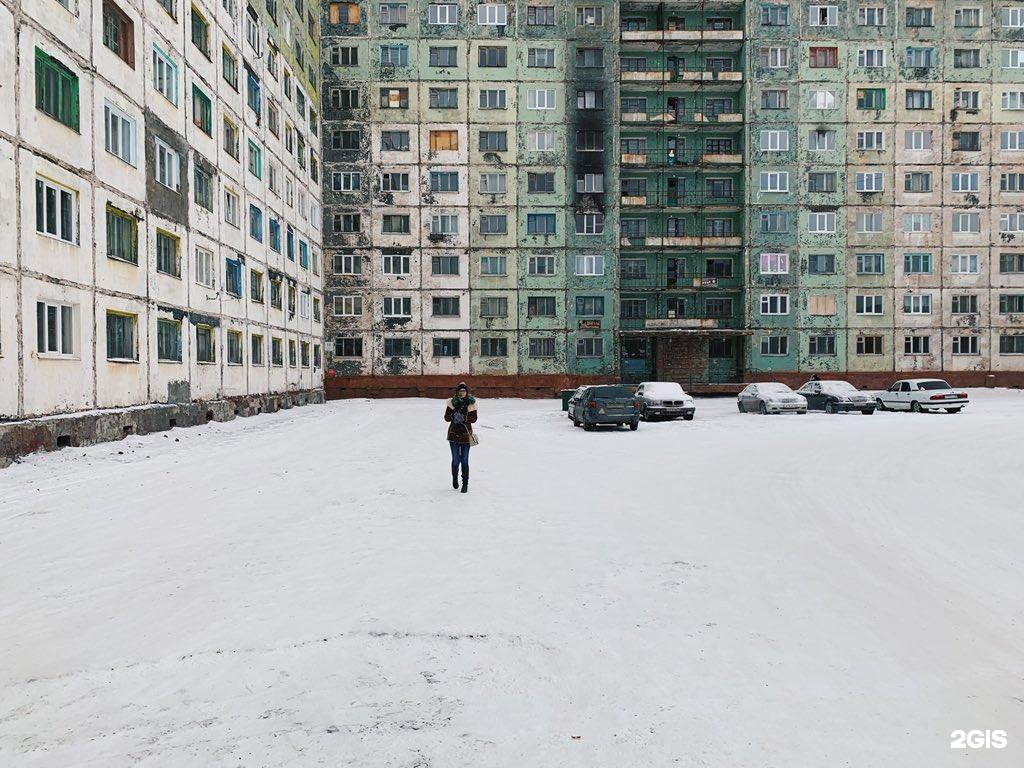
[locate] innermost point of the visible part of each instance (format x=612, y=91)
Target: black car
x=607, y=404
x=836, y=397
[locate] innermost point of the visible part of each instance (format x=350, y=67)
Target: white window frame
x=389, y=262
x=964, y=182
x=773, y=264
x=1011, y=17
x=959, y=260
x=1011, y=222
x=870, y=304
x=63, y=342
x=534, y=100
x=165, y=74
x=120, y=134
x=389, y=304
x=966, y=222
x=349, y=306
x=821, y=222
x=870, y=181
x=589, y=265
x=774, y=303
x=774, y=141
x=232, y=204
x=917, y=222
x=492, y=15
x=206, y=270
x=871, y=16
x=444, y=224
x=493, y=183
x=823, y=15
x=871, y=58
x=774, y=181
x=540, y=141
x=72, y=196
x=1012, y=58
x=917, y=304
x=590, y=183
x=1013, y=101
x=442, y=14
x=167, y=165
x=1011, y=141
x=821, y=99
x=911, y=140
x=871, y=141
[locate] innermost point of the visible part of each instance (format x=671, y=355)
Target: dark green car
x=606, y=404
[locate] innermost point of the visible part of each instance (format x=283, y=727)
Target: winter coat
x=459, y=433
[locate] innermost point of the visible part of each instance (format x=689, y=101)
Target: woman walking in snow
x=460, y=413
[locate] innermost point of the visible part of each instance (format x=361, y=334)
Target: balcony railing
x=680, y=200
x=685, y=76
x=680, y=241
x=680, y=117
x=683, y=35
x=667, y=280
x=658, y=159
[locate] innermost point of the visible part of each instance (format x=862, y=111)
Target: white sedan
x=922, y=395
x=770, y=397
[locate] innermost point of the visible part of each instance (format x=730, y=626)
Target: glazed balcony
x=684, y=240
x=695, y=36
x=681, y=117
x=683, y=78
x=632, y=279
x=666, y=200
x=676, y=159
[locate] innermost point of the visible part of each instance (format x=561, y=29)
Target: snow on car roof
x=837, y=386
x=773, y=386
x=662, y=388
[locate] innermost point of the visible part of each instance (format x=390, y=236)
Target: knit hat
x=462, y=385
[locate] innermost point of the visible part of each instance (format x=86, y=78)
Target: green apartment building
x=709, y=192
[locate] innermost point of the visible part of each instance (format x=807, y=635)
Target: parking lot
x=305, y=588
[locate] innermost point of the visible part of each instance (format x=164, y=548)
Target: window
x=1011, y=344
x=967, y=222
x=1011, y=17
x=395, y=264
x=168, y=165
x=589, y=223
x=168, y=341
x=397, y=306
x=967, y=17
x=394, y=98
x=56, y=90
x=540, y=306
x=206, y=351
x=540, y=223
x=540, y=182
x=1011, y=140
x=966, y=58
x=589, y=99
x=871, y=98
x=200, y=32
x=967, y=141
x=444, y=224
x=541, y=265
x=255, y=223
x=233, y=277
x=493, y=224
x=589, y=347
x=817, y=99
x=1011, y=303
x=868, y=305
x=591, y=58
x=397, y=347
x=540, y=98
x=774, y=304
x=493, y=183
x=917, y=140
x=775, y=15
x=917, y=345
x=917, y=181
x=917, y=222
x=493, y=306
x=343, y=13
x=821, y=57
x=1008, y=222
x=917, y=304
x=348, y=306
x=870, y=141
x=540, y=16
x=443, y=140
x=347, y=223
x=543, y=346
x=394, y=56
x=590, y=265
x=870, y=264
x=920, y=58
x=774, y=141
x=775, y=345
x=964, y=264
x=965, y=304
x=774, y=99
x=1011, y=182
x=772, y=181
x=916, y=99
x=871, y=16
x=774, y=263
x=234, y=347
x=443, y=56
x=121, y=344
x=543, y=58
x=167, y=259
x=919, y=17
x=231, y=207
x=589, y=16
x=821, y=140
x=774, y=221
x=446, y=13
x=255, y=160
x=1011, y=263
x=965, y=345
x=1013, y=100
x=119, y=33
x=589, y=141
x=964, y=182
x=444, y=98
x=492, y=98
x=869, y=345
x=349, y=181
x=492, y=14
x=818, y=222
x=396, y=14
x=1012, y=58
x=395, y=224
x=56, y=211
x=55, y=329
x=394, y=141
x=870, y=182
x=446, y=347
x=774, y=57
x=821, y=264
x=871, y=58
x=120, y=133
x=231, y=138
x=869, y=222
x=823, y=15
x=822, y=345
x=444, y=265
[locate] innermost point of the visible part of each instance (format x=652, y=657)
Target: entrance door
x=637, y=361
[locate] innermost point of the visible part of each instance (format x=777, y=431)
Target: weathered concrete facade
x=886, y=187
x=159, y=203
x=469, y=188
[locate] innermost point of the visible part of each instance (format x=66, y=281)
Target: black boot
x=465, y=481
x=455, y=479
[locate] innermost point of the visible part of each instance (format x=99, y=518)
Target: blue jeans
x=460, y=455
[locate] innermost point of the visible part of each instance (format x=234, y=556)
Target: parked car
x=574, y=400
x=664, y=399
x=921, y=395
x=607, y=404
x=836, y=397
x=770, y=397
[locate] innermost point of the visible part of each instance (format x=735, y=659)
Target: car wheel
x=762, y=409
x=915, y=407
x=575, y=421
x=644, y=415
x=829, y=408
x=588, y=427
x=868, y=411
x=801, y=413
x=953, y=410
x=879, y=404
x=739, y=406
x=687, y=417
x=634, y=425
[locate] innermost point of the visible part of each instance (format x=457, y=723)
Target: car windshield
x=663, y=389
x=773, y=389
x=934, y=384
x=837, y=387
x=610, y=392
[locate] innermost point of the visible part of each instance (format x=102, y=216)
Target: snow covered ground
x=305, y=588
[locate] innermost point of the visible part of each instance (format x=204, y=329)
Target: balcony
x=680, y=241
x=678, y=159
x=680, y=200
x=669, y=280
x=683, y=35
x=684, y=77
x=681, y=117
